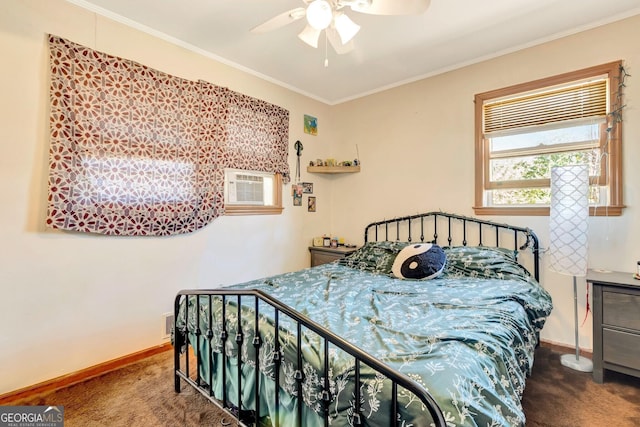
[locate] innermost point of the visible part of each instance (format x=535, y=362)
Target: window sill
x=252, y=210
x=544, y=211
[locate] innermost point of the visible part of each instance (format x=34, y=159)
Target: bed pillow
x=421, y=261
x=375, y=257
x=480, y=261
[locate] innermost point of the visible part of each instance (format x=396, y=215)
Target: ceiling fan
x=328, y=15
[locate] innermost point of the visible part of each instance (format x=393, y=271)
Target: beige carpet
x=142, y=394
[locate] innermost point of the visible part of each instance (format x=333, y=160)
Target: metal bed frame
x=403, y=228
x=457, y=230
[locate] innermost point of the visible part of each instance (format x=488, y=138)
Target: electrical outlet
x=167, y=325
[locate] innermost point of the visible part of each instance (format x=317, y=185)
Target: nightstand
x=324, y=254
x=616, y=323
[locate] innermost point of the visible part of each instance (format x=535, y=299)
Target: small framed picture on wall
x=307, y=187
x=310, y=125
x=296, y=192
x=311, y=204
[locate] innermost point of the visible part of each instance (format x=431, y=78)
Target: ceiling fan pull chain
x=326, y=54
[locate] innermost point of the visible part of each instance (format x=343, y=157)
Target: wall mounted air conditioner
x=244, y=187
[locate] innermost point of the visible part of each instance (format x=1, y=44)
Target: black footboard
x=200, y=331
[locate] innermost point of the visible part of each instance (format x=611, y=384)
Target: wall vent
x=167, y=325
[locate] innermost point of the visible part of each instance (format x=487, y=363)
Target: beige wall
x=416, y=146
x=71, y=301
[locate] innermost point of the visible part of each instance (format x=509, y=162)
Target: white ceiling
x=389, y=50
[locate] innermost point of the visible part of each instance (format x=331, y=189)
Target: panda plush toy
x=421, y=261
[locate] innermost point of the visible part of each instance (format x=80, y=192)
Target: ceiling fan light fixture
x=319, y=14
x=345, y=27
x=310, y=36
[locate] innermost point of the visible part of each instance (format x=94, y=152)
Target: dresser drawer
x=323, y=258
x=622, y=310
x=621, y=348
x=322, y=254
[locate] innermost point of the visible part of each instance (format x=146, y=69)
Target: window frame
x=571, y=147
x=614, y=205
x=275, y=209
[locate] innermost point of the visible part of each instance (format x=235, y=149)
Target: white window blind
x=572, y=103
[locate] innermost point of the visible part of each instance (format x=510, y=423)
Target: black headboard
x=435, y=227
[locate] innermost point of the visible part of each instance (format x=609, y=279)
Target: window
x=137, y=152
x=251, y=192
x=523, y=131
x=256, y=138
x=131, y=182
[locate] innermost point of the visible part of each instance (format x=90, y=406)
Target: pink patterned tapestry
x=256, y=129
x=135, y=151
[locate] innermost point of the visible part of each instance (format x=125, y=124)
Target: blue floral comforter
x=468, y=336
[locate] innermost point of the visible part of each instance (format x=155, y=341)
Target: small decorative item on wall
x=310, y=125
x=311, y=204
x=296, y=192
x=307, y=187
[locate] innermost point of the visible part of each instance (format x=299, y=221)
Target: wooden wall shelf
x=333, y=169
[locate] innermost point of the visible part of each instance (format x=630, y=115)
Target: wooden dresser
x=616, y=323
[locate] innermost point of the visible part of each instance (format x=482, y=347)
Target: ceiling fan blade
x=336, y=42
x=388, y=7
x=281, y=20
x=310, y=36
